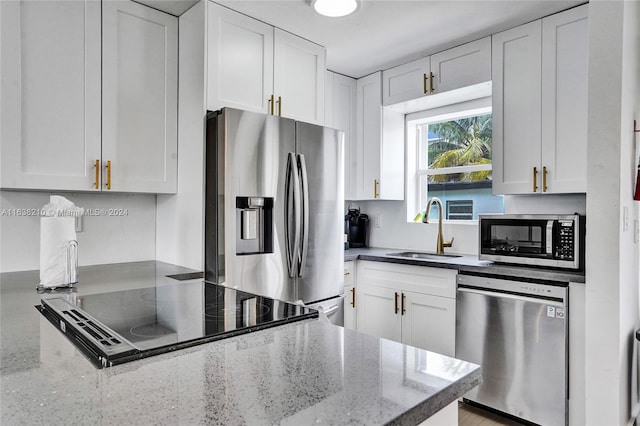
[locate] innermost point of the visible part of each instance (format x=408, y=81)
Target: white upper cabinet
x=81, y=89
x=461, y=66
x=565, y=55
x=340, y=113
x=379, y=171
x=452, y=69
x=299, y=72
x=539, y=128
x=516, y=108
x=256, y=67
x=405, y=82
x=50, y=103
x=240, y=61
x=140, y=98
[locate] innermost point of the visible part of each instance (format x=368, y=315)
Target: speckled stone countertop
x=309, y=372
x=466, y=264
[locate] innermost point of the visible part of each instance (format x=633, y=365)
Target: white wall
x=180, y=217
x=104, y=239
x=612, y=260
x=396, y=232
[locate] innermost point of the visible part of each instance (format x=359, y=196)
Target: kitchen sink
x=422, y=255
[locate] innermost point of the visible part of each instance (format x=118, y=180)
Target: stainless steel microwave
x=555, y=241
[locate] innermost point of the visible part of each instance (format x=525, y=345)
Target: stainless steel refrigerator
x=274, y=208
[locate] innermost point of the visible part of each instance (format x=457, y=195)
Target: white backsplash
x=396, y=232
x=105, y=239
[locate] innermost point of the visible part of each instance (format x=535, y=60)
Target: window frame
x=416, y=176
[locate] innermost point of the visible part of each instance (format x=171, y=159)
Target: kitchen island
x=306, y=372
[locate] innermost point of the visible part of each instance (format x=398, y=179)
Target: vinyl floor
x=469, y=415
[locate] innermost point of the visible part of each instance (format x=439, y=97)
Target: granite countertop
x=466, y=263
x=300, y=373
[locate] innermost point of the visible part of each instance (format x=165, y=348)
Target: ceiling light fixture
x=334, y=8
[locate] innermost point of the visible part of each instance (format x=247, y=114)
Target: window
x=450, y=158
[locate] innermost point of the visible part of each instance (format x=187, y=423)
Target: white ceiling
x=385, y=33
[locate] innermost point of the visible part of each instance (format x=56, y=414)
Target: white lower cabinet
x=411, y=304
x=379, y=312
x=428, y=322
x=349, y=295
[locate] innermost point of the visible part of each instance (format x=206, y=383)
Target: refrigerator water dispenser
x=254, y=225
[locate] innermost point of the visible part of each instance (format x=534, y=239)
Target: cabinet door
x=140, y=89
x=564, y=97
x=376, y=314
x=50, y=103
x=299, y=72
x=369, y=134
x=405, y=82
x=462, y=66
x=429, y=322
x=340, y=113
x=239, y=61
x=349, y=295
x=350, y=307
x=516, y=59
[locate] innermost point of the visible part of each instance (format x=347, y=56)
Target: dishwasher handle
x=537, y=300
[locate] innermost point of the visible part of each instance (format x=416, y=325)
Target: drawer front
x=420, y=279
x=349, y=273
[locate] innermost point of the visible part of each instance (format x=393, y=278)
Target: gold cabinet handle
x=271, y=105
x=347, y=273
x=535, y=179
x=544, y=178
x=279, y=106
x=376, y=184
x=396, y=302
x=403, y=310
x=97, y=181
x=353, y=297
x=109, y=174
x=431, y=89
x=424, y=84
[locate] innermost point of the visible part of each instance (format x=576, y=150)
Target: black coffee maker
x=356, y=226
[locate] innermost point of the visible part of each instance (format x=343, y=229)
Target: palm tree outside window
x=454, y=163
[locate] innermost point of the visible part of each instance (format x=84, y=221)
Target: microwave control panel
x=565, y=240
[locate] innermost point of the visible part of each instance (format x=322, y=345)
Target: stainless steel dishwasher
x=518, y=332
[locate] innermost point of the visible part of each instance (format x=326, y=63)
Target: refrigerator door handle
x=304, y=241
x=292, y=247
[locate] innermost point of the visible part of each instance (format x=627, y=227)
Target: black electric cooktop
x=113, y=328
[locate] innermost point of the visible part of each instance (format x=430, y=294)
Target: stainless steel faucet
x=441, y=244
